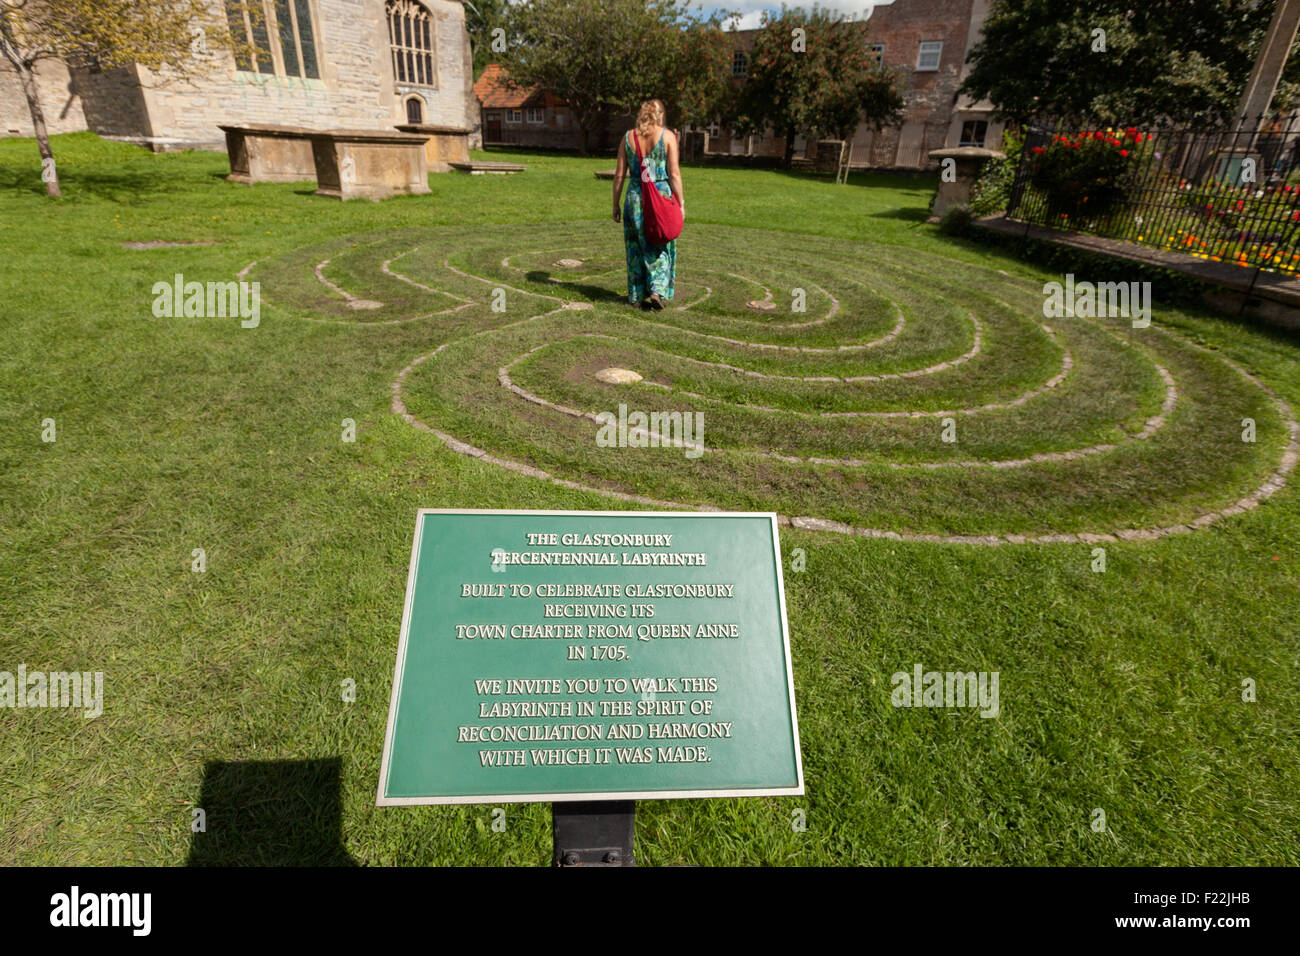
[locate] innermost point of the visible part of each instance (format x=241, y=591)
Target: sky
x=752, y=10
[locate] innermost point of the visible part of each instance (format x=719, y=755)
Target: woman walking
x=651, y=270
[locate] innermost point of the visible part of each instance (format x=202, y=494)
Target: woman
x=651, y=270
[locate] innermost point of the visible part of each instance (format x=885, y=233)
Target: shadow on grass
x=272, y=813
x=121, y=186
x=593, y=292
x=1169, y=288
x=906, y=213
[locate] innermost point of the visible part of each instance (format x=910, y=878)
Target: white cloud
x=751, y=11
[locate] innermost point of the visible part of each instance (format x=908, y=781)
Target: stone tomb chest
x=269, y=154
x=366, y=164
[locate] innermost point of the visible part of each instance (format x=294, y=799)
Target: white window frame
x=535, y=115
x=740, y=63
x=514, y=117
x=926, y=50
x=877, y=50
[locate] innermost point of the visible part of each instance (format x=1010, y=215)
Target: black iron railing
x=1225, y=194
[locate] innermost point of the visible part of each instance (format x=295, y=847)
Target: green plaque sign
x=591, y=655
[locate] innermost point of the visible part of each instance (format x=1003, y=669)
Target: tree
x=813, y=73
x=482, y=18
x=1120, y=62
x=603, y=57
x=103, y=34
x=698, y=82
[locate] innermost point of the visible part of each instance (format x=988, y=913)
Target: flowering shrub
x=1087, y=175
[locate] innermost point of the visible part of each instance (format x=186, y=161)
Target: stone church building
x=330, y=64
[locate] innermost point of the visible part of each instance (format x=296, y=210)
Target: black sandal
x=656, y=303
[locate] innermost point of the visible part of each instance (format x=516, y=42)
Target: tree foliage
x=482, y=17
x=161, y=35
x=1179, y=60
x=822, y=81
x=604, y=57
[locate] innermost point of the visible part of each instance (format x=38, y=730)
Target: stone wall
x=356, y=88
x=59, y=101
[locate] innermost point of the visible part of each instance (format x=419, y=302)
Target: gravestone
x=362, y=164
x=269, y=154
x=445, y=144
x=482, y=167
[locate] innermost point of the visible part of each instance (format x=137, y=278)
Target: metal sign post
x=593, y=833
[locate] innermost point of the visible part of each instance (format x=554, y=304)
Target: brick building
x=357, y=64
x=523, y=117
x=926, y=41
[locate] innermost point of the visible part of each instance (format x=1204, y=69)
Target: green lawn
x=1119, y=690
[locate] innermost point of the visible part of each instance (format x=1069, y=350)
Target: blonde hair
x=650, y=114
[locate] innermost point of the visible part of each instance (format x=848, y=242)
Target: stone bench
x=369, y=164
x=605, y=173
x=445, y=145
x=269, y=154
x=480, y=168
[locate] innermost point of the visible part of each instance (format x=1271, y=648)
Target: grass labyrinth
x=1073, y=430
x=1120, y=691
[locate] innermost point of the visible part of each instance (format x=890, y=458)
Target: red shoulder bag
x=662, y=214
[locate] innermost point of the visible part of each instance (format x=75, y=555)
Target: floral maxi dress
x=649, y=268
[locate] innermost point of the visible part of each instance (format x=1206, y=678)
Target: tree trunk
x=23, y=66
x=592, y=124
x=49, y=172
x=24, y=70
x=788, y=159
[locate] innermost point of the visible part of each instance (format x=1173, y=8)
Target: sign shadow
x=271, y=813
